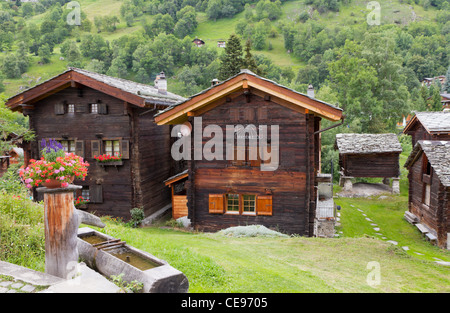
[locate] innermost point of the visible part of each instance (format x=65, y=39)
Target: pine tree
x=447, y=81
x=231, y=60
x=249, y=61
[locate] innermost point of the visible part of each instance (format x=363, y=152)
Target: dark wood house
x=369, y=155
x=230, y=190
x=429, y=190
x=93, y=114
x=428, y=126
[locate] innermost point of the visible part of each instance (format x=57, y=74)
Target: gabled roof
x=438, y=154
x=433, y=122
x=247, y=80
x=126, y=90
x=367, y=143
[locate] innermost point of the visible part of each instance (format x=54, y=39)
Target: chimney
x=310, y=91
x=214, y=82
x=161, y=83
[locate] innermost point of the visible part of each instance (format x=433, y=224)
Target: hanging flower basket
x=55, y=169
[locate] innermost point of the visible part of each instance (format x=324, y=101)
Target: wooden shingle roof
x=438, y=154
x=367, y=143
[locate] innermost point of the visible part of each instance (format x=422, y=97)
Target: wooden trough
x=111, y=256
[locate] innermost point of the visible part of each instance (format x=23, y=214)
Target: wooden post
x=61, y=226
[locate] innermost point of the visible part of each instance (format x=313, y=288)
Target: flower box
x=109, y=160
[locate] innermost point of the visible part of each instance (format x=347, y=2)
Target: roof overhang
x=201, y=103
x=67, y=79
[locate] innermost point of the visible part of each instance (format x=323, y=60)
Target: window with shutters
x=93, y=108
x=244, y=204
x=71, y=108
x=112, y=147
x=68, y=145
x=233, y=203
x=248, y=204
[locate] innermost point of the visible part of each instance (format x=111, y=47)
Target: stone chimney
x=214, y=82
x=161, y=83
x=310, y=91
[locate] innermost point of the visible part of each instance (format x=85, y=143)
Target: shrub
x=22, y=239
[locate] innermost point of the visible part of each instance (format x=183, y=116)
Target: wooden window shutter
x=262, y=113
x=264, y=205
x=79, y=148
x=216, y=203
x=59, y=108
x=95, y=148
x=102, y=108
x=234, y=114
x=125, y=149
x=249, y=114
x=96, y=194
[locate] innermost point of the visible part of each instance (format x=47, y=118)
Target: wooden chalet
x=93, y=114
x=429, y=190
x=429, y=126
x=369, y=155
x=225, y=193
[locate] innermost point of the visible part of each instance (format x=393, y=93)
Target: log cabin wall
x=291, y=185
x=370, y=165
x=434, y=215
x=152, y=162
x=418, y=132
x=112, y=186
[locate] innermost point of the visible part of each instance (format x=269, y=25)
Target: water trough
x=112, y=256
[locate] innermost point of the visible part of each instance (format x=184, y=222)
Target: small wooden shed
x=429, y=126
x=369, y=155
x=429, y=190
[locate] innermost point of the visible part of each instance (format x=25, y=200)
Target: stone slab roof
x=438, y=154
x=145, y=91
x=367, y=143
x=434, y=121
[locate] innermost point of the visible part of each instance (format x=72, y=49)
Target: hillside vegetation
x=367, y=60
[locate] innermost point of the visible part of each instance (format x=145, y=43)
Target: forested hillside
x=372, y=71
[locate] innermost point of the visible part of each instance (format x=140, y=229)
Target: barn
x=369, y=155
x=92, y=114
x=429, y=190
x=231, y=186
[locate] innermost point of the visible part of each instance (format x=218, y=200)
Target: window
x=241, y=204
x=71, y=108
x=249, y=204
x=232, y=203
x=426, y=180
x=85, y=193
x=68, y=145
x=93, y=108
x=112, y=147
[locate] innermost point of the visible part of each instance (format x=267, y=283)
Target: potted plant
x=108, y=159
x=55, y=169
